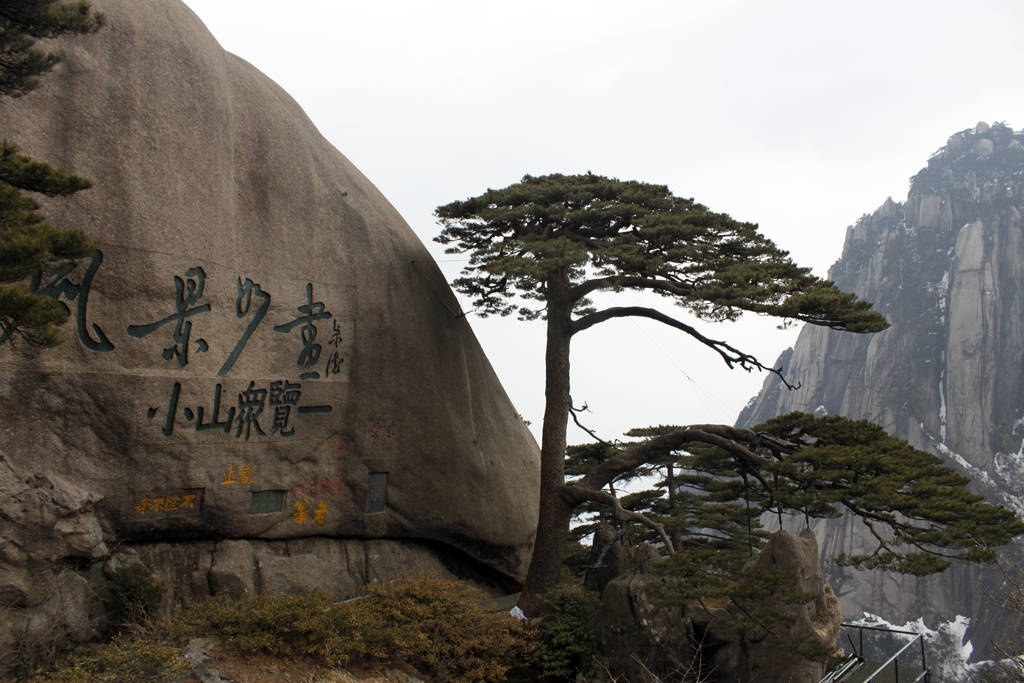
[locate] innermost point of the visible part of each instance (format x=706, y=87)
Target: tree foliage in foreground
x=725, y=479
x=544, y=247
x=27, y=241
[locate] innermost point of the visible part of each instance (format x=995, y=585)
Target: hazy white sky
x=800, y=116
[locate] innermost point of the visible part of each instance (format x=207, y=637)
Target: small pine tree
x=27, y=241
x=725, y=479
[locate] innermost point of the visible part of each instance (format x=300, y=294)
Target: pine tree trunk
x=555, y=512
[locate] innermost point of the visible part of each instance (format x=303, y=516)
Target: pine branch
x=576, y=494
x=593, y=435
x=22, y=22
x=23, y=173
x=728, y=438
x=731, y=355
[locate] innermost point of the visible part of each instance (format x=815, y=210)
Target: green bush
x=566, y=639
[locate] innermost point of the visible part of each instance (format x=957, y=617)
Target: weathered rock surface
x=947, y=270
x=640, y=636
x=267, y=383
x=776, y=657
x=637, y=635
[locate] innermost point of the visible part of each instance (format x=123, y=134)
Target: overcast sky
x=799, y=116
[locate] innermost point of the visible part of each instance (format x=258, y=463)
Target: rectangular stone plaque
x=168, y=503
x=377, y=492
x=266, y=501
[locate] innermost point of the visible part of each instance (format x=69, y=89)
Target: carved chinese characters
x=183, y=330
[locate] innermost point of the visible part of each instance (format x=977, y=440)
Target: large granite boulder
x=266, y=383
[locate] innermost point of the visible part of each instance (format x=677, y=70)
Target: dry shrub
x=277, y=625
x=132, y=596
x=25, y=652
x=442, y=629
x=122, y=659
x=438, y=627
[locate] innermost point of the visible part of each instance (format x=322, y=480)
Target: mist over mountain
x=946, y=268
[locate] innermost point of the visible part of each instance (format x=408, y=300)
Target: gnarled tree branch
x=651, y=451
x=731, y=355
x=593, y=435
x=575, y=494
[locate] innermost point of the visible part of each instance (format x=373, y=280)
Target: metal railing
x=895, y=662
x=858, y=669
x=844, y=669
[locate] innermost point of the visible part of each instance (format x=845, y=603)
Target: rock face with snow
x=266, y=383
x=946, y=268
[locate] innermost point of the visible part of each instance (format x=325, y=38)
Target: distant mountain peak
x=946, y=268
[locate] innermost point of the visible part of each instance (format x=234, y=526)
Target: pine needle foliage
x=27, y=242
x=566, y=641
x=611, y=235
x=917, y=509
x=22, y=23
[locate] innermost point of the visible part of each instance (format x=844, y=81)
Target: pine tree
x=27, y=241
x=543, y=246
x=706, y=518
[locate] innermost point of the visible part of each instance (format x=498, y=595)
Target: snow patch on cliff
x=1009, y=467
x=942, y=401
x=974, y=472
x=947, y=650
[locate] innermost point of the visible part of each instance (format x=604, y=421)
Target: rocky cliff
x=946, y=268
x=267, y=383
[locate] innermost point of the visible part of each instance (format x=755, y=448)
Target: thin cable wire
x=721, y=408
